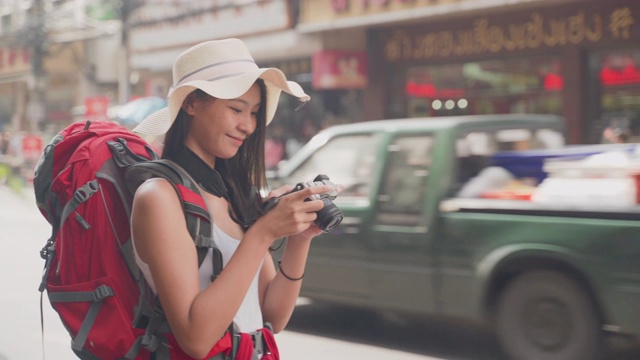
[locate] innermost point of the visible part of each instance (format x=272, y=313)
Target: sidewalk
x=26, y=190
x=26, y=193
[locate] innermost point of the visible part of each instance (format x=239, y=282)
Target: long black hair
x=244, y=174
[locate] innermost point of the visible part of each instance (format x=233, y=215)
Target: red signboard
x=96, y=107
x=31, y=146
x=336, y=69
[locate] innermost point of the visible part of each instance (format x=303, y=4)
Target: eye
x=235, y=110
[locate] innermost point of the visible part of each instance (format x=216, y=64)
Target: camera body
x=330, y=216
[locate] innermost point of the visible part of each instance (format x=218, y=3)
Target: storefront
x=15, y=72
x=160, y=34
x=334, y=80
x=580, y=60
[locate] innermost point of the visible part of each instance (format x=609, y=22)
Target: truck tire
x=546, y=314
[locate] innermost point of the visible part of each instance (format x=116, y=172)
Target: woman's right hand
x=292, y=214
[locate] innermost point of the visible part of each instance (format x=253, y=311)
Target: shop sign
x=323, y=10
x=342, y=6
x=485, y=36
x=292, y=67
x=336, y=69
x=13, y=60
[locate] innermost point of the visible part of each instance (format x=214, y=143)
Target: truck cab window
x=402, y=193
x=347, y=160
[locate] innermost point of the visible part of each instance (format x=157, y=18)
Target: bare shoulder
x=155, y=194
x=157, y=217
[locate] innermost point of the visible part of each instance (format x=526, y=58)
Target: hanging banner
x=337, y=69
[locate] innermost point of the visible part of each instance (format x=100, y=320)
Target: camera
x=330, y=216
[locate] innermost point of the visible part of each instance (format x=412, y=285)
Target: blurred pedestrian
x=274, y=147
x=4, y=143
x=612, y=135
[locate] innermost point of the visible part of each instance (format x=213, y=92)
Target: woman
x=218, y=109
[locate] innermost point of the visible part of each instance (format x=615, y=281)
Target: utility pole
x=126, y=7
x=36, y=107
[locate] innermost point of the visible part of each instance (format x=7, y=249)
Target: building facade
x=578, y=59
x=358, y=59
x=53, y=57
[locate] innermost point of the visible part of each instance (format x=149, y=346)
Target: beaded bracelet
x=287, y=276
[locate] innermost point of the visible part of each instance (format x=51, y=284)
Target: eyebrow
x=245, y=102
x=240, y=100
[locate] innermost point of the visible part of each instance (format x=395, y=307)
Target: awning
x=278, y=45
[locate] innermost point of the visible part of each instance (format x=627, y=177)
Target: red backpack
x=84, y=187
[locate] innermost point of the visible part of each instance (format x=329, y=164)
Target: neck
x=205, y=175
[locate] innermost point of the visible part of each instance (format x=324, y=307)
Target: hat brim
x=231, y=87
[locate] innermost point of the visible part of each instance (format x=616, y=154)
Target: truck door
x=337, y=265
x=399, y=239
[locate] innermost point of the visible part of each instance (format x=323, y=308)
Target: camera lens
x=329, y=216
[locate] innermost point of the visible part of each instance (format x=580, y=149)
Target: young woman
x=219, y=106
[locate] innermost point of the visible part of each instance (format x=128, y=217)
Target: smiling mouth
x=236, y=139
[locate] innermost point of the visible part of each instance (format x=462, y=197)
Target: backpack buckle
x=85, y=191
x=102, y=292
x=150, y=342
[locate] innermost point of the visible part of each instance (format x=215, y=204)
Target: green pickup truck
x=551, y=280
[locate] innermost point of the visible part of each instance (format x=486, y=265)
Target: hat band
x=219, y=70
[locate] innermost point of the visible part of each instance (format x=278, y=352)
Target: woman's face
x=219, y=126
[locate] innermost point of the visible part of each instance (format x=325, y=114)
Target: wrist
x=300, y=238
x=298, y=244
x=255, y=232
x=286, y=275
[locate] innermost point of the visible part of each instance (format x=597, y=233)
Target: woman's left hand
x=308, y=234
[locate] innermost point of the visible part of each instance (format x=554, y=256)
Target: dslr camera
x=330, y=216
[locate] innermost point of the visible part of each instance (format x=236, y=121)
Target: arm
x=278, y=294
x=198, y=319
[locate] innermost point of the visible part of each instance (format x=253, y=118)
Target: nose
x=248, y=124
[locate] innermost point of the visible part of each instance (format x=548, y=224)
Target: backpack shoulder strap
x=196, y=212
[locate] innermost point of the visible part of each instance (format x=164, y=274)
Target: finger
x=280, y=191
x=308, y=192
x=312, y=206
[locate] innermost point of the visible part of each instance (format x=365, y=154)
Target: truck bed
x=520, y=207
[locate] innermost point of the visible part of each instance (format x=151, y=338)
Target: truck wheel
x=546, y=315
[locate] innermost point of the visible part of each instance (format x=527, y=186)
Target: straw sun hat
x=223, y=69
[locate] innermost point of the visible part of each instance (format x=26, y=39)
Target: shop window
x=618, y=74
x=328, y=108
x=519, y=85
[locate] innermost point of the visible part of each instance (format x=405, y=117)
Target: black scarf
x=204, y=175
x=212, y=182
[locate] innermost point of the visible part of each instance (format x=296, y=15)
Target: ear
x=188, y=104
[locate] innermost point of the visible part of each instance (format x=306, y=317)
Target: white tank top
x=249, y=315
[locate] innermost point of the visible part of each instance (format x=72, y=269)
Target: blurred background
x=110, y=60
x=66, y=60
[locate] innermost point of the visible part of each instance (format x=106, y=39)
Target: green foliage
x=104, y=10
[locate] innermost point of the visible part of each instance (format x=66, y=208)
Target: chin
x=228, y=155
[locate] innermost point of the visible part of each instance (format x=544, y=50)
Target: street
x=316, y=331
x=24, y=232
